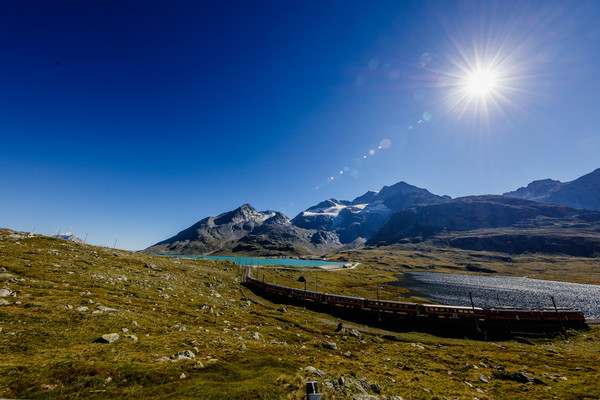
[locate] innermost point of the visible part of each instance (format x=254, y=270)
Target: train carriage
x=305, y=294
x=454, y=312
x=564, y=314
x=344, y=301
x=393, y=306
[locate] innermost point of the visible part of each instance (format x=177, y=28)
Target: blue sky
x=130, y=121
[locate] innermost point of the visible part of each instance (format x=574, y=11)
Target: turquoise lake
x=266, y=261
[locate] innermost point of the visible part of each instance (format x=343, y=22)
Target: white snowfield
x=377, y=207
x=334, y=211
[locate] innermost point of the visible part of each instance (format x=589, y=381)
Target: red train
x=488, y=315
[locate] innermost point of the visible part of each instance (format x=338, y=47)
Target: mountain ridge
x=546, y=211
x=583, y=192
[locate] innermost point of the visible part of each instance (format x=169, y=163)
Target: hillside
x=187, y=327
x=497, y=223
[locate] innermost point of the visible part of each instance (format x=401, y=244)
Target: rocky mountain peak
x=244, y=213
x=583, y=192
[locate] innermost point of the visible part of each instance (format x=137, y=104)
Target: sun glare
x=481, y=82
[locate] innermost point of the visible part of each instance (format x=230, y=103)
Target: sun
x=481, y=83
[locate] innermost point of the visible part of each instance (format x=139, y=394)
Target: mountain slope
x=497, y=223
x=583, y=192
x=361, y=217
x=246, y=230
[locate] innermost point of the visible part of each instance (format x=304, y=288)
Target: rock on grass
x=107, y=338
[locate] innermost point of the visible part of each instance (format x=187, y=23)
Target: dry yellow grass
x=244, y=347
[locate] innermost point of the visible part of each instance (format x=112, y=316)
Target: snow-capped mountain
x=360, y=218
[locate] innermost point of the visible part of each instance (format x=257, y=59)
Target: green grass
x=48, y=351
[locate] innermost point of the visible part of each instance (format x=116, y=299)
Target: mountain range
x=546, y=216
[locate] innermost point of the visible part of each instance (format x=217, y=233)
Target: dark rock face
x=246, y=230
x=582, y=193
x=515, y=243
x=497, y=223
x=361, y=217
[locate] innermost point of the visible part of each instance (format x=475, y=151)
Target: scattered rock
x=395, y=398
x=124, y=330
x=355, y=333
x=242, y=347
x=105, y=309
x=341, y=381
x=132, y=337
x=256, y=336
x=484, y=379
x=364, y=397
x=134, y=323
x=537, y=381
x=2, y=270
x=418, y=346
x=183, y=355
x=340, y=327
x=5, y=291
x=376, y=388
x=330, y=345
x=362, y=385
x=108, y=338
x=68, y=307
x=82, y=309
x=182, y=376
x=282, y=309
x=314, y=371
x=4, y=302
x=198, y=365
x=511, y=376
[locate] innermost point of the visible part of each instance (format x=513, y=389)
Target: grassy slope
x=48, y=350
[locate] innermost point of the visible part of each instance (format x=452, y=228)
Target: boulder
x=183, y=355
x=330, y=345
x=314, y=371
x=108, y=338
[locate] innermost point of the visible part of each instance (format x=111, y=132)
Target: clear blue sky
x=132, y=120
